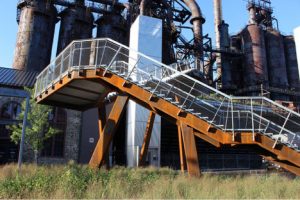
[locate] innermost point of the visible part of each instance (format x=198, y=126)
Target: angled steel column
x=106, y=135
x=181, y=150
x=147, y=137
x=101, y=124
x=190, y=150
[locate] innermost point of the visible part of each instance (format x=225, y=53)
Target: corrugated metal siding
x=17, y=78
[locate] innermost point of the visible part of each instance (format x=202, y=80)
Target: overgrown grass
x=74, y=181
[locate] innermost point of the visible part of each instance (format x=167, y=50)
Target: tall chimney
x=218, y=20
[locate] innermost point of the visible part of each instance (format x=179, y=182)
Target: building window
x=10, y=110
x=54, y=146
x=4, y=132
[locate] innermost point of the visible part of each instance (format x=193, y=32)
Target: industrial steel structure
x=190, y=87
x=197, y=109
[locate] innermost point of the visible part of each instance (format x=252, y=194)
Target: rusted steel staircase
x=87, y=70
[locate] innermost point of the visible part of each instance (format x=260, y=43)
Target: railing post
x=187, y=96
x=96, y=53
x=232, y=121
x=53, y=73
x=226, y=121
x=261, y=108
x=162, y=75
x=103, y=53
x=112, y=60
x=265, y=130
x=129, y=74
x=216, y=113
x=61, y=64
x=80, y=53
x=252, y=121
x=71, y=55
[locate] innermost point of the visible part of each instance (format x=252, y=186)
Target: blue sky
x=234, y=13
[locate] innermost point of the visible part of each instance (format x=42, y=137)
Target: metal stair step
x=204, y=117
x=175, y=102
x=134, y=81
x=269, y=134
x=141, y=84
x=147, y=88
x=161, y=95
x=181, y=106
x=198, y=114
x=286, y=143
x=189, y=110
x=168, y=99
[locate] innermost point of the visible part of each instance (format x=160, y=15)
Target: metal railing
x=230, y=114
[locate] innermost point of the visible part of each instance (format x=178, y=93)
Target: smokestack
x=218, y=20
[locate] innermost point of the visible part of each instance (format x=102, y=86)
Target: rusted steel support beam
x=190, y=150
x=109, y=129
x=287, y=166
x=147, y=137
x=181, y=150
x=207, y=139
x=101, y=124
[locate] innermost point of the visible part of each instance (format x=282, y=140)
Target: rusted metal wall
x=35, y=35
x=113, y=26
x=291, y=61
x=255, y=61
x=236, y=63
x=276, y=63
x=225, y=73
x=76, y=23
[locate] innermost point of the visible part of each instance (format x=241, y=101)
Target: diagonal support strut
x=107, y=134
x=147, y=138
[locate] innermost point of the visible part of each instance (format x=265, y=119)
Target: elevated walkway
x=87, y=70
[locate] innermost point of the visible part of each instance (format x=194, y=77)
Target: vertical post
x=261, y=110
x=107, y=134
x=61, y=63
x=113, y=59
x=23, y=133
x=252, y=121
x=147, y=137
x=232, y=121
x=182, y=106
x=181, y=150
x=101, y=124
x=93, y=53
x=190, y=150
x=104, y=48
x=80, y=54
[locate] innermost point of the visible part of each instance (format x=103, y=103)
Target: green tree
x=38, y=128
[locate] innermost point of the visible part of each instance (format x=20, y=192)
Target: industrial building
x=257, y=61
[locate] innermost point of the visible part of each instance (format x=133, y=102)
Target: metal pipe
x=252, y=15
x=69, y=4
x=143, y=5
x=111, y=2
x=197, y=21
x=23, y=133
